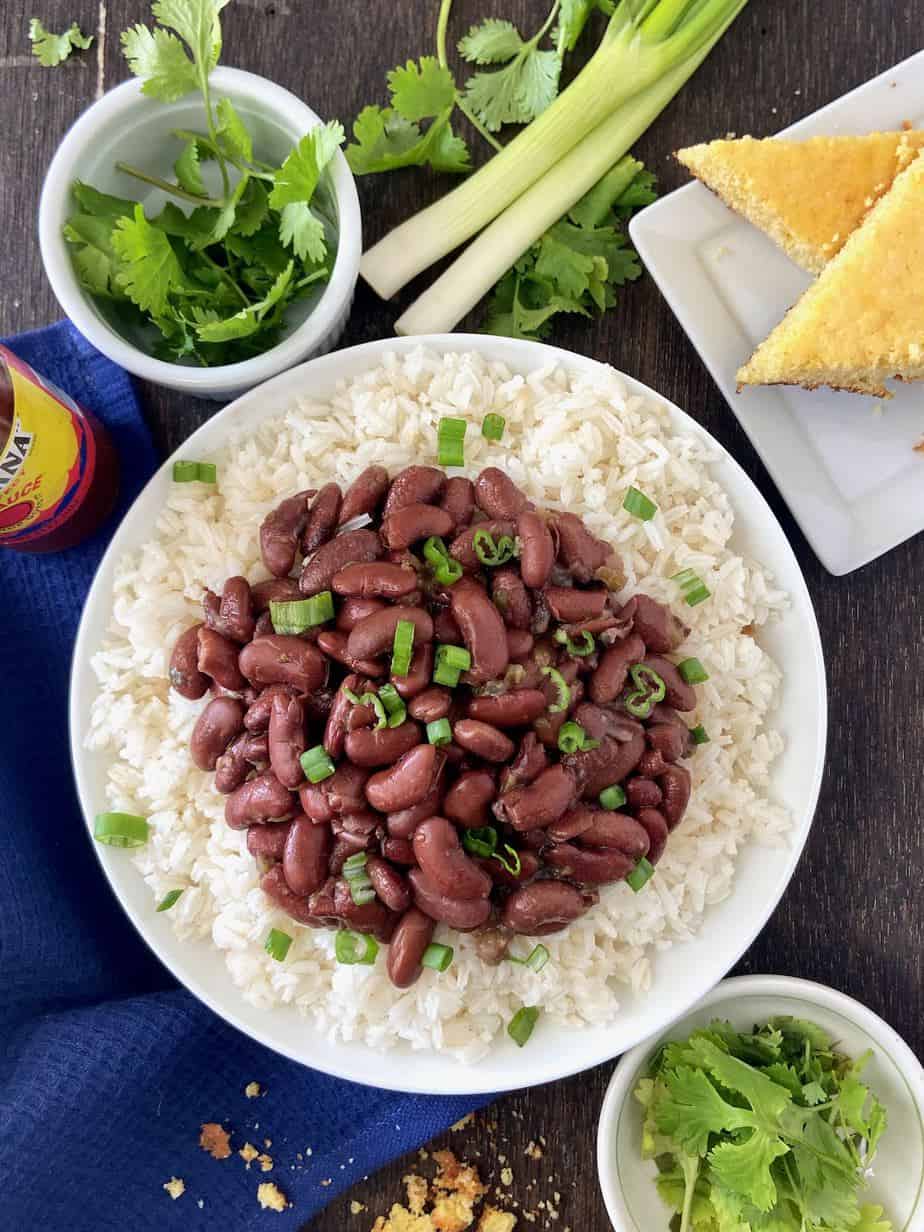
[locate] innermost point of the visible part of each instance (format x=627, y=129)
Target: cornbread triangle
x=806, y=195
x=862, y=320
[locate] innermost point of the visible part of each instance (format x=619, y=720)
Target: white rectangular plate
x=845, y=464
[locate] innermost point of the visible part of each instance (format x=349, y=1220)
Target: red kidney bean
x=571, y=824
x=491, y=945
x=365, y=493
x=232, y=614
x=216, y=727
x=529, y=866
x=569, y=604
x=656, y=624
x=615, y=831
x=445, y=862
x=376, y=634
x=398, y=850
x=346, y=845
x=482, y=631
x=373, y=917
x=287, y=740
x=467, y=800
x=464, y=914
x=414, y=522
x=518, y=708
x=403, y=823
x=305, y=857
x=458, y=500
x=607, y=765
x=671, y=740
x=335, y=729
x=462, y=547
x=276, y=589
x=408, y=781
x=184, y=673
x=528, y=764
x=231, y=768
x=368, y=747
x=600, y=721
x=419, y=675
x=352, y=611
x=679, y=694
x=274, y=886
x=519, y=644
x=282, y=659
x=547, y=726
x=343, y=792
x=675, y=784
x=334, y=644
x=483, y=740
x=511, y=598
x=268, y=841
x=594, y=867
x=264, y=625
x=542, y=614
x=534, y=840
x=376, y=579
x=361, y=716
x=259, y=799
x=389, y=885
x=432, y=704
x=280, y=532
x=657, y=830
x=218, y=658
x=537, y=549
x=651, y=764
x=609, y=679
x=346, y=549
x=258, y=712
x=362, y=823
x=498, y=495
x=445, y=629
x=540, y=803
x=322, y=518
x=579, y=551
x=543, y=907
x=415, y=485
x=642, y=793
x=411, y=938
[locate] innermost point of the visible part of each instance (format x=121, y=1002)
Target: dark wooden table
x=852, y=917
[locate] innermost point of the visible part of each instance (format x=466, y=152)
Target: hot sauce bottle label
x=48, y=459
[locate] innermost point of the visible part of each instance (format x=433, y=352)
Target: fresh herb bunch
x=770, y=1130
x=215, y=281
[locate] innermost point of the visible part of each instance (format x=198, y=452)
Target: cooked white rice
x=571, y=442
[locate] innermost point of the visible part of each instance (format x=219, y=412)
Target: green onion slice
x=693, y=671
x=612, y=797
x=538, y=958
x=563, y=700
x=357, y=877
x=403, y=648
x=449, y=664
x=277, y=944
x=351, y=948
x=195, y=472
x=639, y=505
x=297, y=615
x=492, y=427
x=699, y=735
x=694, y=588
x=511, y=864
x=480, y=842
x=439, y=732
x=443, y=674
x=316, y=764
x=649, y=690
x=394, y=705
x=120, y=829
x=490, y=553
x=169, y=900
x=446, y=570
x=437, y=956
x=572, y=738
x=521, y=1025
x=640, y=875
x=450, y=438
x=579, y=649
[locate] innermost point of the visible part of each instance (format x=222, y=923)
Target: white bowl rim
x=739, y=986
x=227, y=378
x=455, y=1078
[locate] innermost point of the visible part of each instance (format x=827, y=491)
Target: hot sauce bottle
x=59, y=474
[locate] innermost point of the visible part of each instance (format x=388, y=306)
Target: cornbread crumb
x=252, y=1090
x=324, y=1184
x=919, y=447
x=215, y=1139
x=417, y=1192
x=248, y=1153
x=533, y=1151
x=493, y=1220
x=356, y=1208
x=271, y=1197
x=451, y=1198
x=466, y=1120
x=175, y=1187
x=506, y=1176
x=266, y=1162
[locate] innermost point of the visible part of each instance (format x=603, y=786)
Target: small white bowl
x=894, y=1073
x=127, y=125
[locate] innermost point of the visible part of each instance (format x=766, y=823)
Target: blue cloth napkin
x=107, y=1068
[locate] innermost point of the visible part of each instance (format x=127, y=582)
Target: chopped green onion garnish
x=521, y=1025
x=439, y=732
x=353, y=866
x=538, y=958
x=443, y=674
x=451, y=442
x=692, y=671
x=572, y=738
x=120, y=829
x=446, y=570
x=195, y=472
x=450, y=662
x=297, y=615
x=277, y=944
x=638, y=504
x=649, y=690
x=381, y=716
x=403, y=648
x=352, y=948
x=513, y=864
x=350, y=695
x=316, y=764
x=640, y=875
x=480, y=842
x=169, y=900
x=693, y=587
x=394, y=706
x=491, y=553
x=354, y=871
x=699, y=735
x=612, y=797
x=437, y=956
x=563, y=701
x=492, y=427
x=579, y=649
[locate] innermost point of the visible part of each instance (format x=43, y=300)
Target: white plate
x=894, y=1073
x=682, y=974
x=846, y=469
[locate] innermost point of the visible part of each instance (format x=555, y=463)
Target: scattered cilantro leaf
x=493, y=42
x=151, y=266
x=188, y=172
x=516, y=93
x=421, y=90
x=158, y=57
x=298, y=176
x=53, y=49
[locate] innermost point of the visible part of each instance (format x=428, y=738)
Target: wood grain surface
x=852, y=917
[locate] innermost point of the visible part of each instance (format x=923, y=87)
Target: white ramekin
x=126, y=125
x=894, y=1073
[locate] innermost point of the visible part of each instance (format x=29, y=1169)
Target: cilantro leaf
x=248, y=320
x=298, y=176
x=194, y=228
x=304, y=232
x=151, y=266
x=100, y=204
x=197, y=23
x=422, y=90
x=252, y=209
x=744, y=1167
x=493, y=42
x=53, y=49
x=158, y=57
x=232, y=132
x=692, y=1109
x=383, y=140
x=517, y=93
x=188, y=172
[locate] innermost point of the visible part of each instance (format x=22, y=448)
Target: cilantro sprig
x=53, y=49
x=209, y=284
x=772, y=1129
